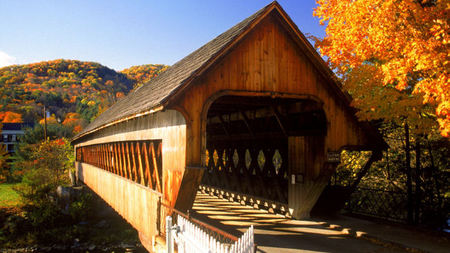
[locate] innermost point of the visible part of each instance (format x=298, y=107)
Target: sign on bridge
x=333, y=157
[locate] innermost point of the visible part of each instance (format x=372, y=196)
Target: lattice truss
x=139, y=161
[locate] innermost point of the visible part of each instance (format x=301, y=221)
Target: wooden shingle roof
x=155, y=92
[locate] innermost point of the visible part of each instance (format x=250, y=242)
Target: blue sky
x=120, y=34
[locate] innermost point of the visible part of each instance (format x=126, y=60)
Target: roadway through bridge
x=276, y=233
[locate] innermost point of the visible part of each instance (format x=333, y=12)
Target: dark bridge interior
x=247, y=145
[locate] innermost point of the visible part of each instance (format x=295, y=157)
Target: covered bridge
x=255, y=113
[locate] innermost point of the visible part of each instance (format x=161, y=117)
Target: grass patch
x=8, y=197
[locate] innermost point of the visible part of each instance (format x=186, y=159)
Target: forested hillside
x=142, y=73
x=74, y=92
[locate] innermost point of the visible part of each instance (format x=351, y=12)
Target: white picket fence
x=190, y=238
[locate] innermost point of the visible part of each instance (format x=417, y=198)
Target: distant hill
x=143, y=73
x=74, y=92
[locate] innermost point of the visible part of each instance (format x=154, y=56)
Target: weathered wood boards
x=134, y=153
x=134, y=202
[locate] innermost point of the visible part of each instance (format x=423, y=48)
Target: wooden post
x=141, y=169
x=97, y=156
x=102, y=160
x=108, y=157
x=306, y=155
x=121, y=165
x=127, y=147
x=105, y=156
x=133, y=157
x=124, y=160
x=147, y=166
x=116, y=160
x=155, y=167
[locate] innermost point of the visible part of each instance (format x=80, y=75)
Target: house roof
x=15, y=126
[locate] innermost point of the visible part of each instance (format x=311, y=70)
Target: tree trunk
x=410, y=203
x=418, y=178
x=434, y=176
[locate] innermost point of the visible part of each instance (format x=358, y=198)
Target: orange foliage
x=407, y=41
x=70, y=121
x=74, y=120
x=10, y=117
x=119, y=94
x=144, y=73
x=77, y=129
x=50, y=120
x=72, y=115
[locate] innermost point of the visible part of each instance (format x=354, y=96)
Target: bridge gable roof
x=156, y=94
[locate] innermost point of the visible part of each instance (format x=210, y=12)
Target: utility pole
x=45, y=124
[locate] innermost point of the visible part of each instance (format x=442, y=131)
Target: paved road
x=275, y=233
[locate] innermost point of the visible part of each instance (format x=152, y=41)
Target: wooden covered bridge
x=254, y=113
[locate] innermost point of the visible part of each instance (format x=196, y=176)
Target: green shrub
x=47, y=166
x=81, y=208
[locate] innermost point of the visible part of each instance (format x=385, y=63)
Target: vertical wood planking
x=135, y=203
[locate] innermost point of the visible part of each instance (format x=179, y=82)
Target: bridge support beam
x=308, y=173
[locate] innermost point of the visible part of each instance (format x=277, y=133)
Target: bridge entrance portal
x=258, y=149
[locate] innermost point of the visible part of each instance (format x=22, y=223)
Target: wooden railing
x=213, y=232
x=139, y=161
x=189, y=237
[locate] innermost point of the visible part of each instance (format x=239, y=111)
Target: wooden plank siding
x=150, y=157
x=169, y=127
x=134, y=202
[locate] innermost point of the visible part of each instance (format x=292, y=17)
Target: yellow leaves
x=406, y=40
x=143, y=73
x=50, y=120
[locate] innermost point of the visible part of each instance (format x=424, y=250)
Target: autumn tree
x=391, y=56
x=74, y=121
x=4, y=155
x=404, y=42
x=11, y=117
x=143, y=73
